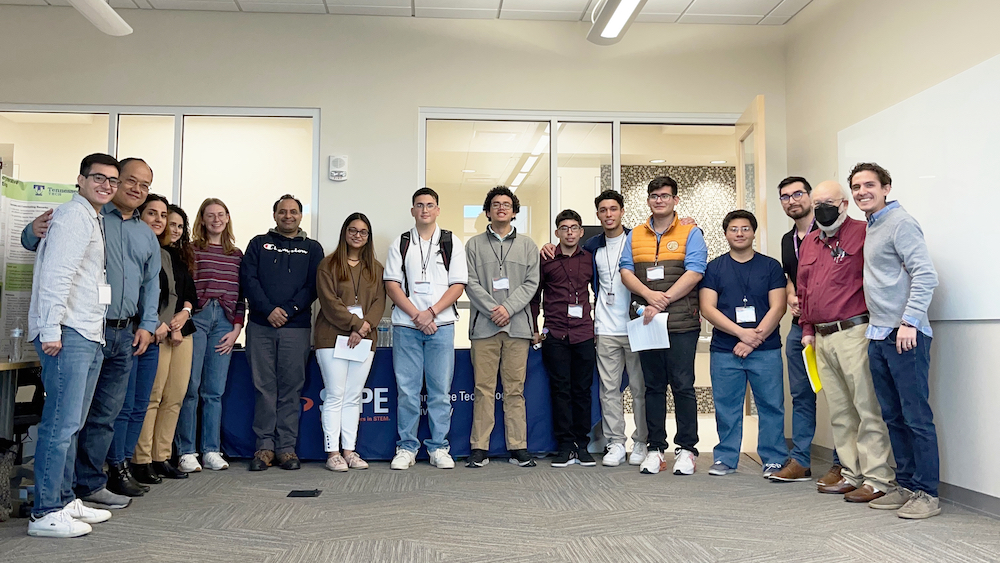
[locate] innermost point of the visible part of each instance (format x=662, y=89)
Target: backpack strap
x=404, y=246
x=446, y=244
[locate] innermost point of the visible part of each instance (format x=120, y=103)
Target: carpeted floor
x=506, y=513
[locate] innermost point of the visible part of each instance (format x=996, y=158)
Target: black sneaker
x=562, y=459
x=521, y=458
x=478, y=458
x=585, y=459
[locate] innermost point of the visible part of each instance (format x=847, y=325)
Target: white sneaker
x=615, y=455
x=684, y=462
x=653, y=463
x=189, y=463
x=441, y=458
x=405, y=459
x=639, y=452
x=214, y=461
x=79, y=511
x=57, y=525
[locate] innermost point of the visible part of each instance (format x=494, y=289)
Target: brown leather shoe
x=865, y=493
x=831, y=477
x=792, y=471
x=838, y=488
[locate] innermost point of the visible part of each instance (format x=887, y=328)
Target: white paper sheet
x=649, y=337
x=357, y=354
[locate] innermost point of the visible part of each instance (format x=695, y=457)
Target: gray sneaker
x=108, y=499
x=894, y=499
x=921, y=505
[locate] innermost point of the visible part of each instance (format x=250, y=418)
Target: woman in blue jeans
x=218, y=321
x=128, y=425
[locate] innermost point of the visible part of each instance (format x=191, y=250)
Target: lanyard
x=607, y=257
x=569, y=279
x=501, y=258
x=425, y=261
x=656, y=258
x=744, y=284
x=356, y=284
x=795, y=237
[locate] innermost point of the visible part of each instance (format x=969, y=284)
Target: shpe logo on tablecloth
x=378, y=400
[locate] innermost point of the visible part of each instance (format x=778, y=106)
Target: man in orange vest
x=662, y=263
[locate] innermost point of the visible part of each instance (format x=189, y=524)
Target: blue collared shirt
x=133, y=266
x=882, y=332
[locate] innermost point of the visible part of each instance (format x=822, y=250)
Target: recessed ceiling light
x=518, y=179
x=468, y=171
x=657, y=161
x=718, y=162
x=542, y=146
x=528, y=164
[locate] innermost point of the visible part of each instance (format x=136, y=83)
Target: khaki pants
x=510, y=356
x=613, y=355
x=169, y=388
x=859, y=432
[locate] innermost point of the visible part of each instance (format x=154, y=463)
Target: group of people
x=134, y=314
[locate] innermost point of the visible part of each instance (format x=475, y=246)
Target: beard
x=836, y=225
x=795, y=215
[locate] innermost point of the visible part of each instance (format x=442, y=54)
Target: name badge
x=103, y=294
x=654, y=273
x=746, y=315
x=422, y=288
x=501, y=283
x=609, y=299
x=576, y=311
x=356, y=311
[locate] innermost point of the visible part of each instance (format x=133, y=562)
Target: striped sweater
x=217, y=276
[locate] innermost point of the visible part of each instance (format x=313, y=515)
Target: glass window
x=584, y=167
x=151, y=138
x=48, y=147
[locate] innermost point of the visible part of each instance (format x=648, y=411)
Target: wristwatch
x=904, y=323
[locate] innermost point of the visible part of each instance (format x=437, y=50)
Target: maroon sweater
x=217, y=276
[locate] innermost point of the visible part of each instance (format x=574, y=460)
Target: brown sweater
x=336, y=296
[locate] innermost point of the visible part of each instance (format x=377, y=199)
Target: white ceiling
x=739, y=12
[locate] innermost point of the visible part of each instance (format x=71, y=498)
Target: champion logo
x=270, y=246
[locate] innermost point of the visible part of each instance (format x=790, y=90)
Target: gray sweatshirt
x=899, y=275
x=520, y=259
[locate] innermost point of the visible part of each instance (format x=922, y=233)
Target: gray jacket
x=520, y=266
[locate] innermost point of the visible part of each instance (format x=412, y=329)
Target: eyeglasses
x=664, y=197
x=144, y=186
x=101, y=178
x=570, y=229
x=502, y=205
x=425, y=206
x=796, y=195
x=363, y=233
x=744, y=229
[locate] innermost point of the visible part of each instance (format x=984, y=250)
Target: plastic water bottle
x=638, y=308
x=16, y=342
x=383, y=334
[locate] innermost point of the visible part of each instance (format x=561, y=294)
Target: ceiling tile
x=456, y=13
x=774, y=20
x=370, y=10
x=731, y=7
x=370, y=3
x=539, y=15
x=208, y=5
x=546, y=5
x=643, y=17
x=283, y=8
x=665, y=6
x=24, y=2
x=789, y=8
x=463, y=4
x=726, y=20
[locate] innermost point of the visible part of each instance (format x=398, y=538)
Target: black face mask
x=827, y=214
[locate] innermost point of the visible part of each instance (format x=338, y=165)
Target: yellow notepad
x=809, y=358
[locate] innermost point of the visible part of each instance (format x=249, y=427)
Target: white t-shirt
x=610, y=320
x=424, y=262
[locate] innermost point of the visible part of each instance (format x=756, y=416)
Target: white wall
x=847, y=60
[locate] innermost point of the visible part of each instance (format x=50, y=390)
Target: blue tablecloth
x=377, y=432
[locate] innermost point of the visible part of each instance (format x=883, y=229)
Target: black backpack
x=444, y=242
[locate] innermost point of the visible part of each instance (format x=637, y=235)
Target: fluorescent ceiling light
x=528, y=164
x=657, y=161
x=103, y=16
x=543, y=144
x=612, y=20
x=468, y=171
x=518, y=179
x=718, y=162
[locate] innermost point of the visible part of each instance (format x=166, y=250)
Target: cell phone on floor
x=312, y=493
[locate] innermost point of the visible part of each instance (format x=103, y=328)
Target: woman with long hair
x=219, y=320
x=178, y=295
x=352, y=300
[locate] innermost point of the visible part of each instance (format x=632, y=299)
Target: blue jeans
x=419, y=359
x=902, y=390
x=209, y=372
x=69, y=378
x=109, y=396
x=128, y=425
x=730, y=374
x=803, y=401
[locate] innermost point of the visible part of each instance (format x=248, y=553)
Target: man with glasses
x=899, y=284
x=503, y=278
x=133, y=272
x=425, y=274
x=834, y=318
x=278, y=278
x=568, y=345
x=69, y=294
x=793, y=192
x=662, y=263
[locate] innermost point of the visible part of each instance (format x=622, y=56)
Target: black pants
x=673, y=366
x=571, y=373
